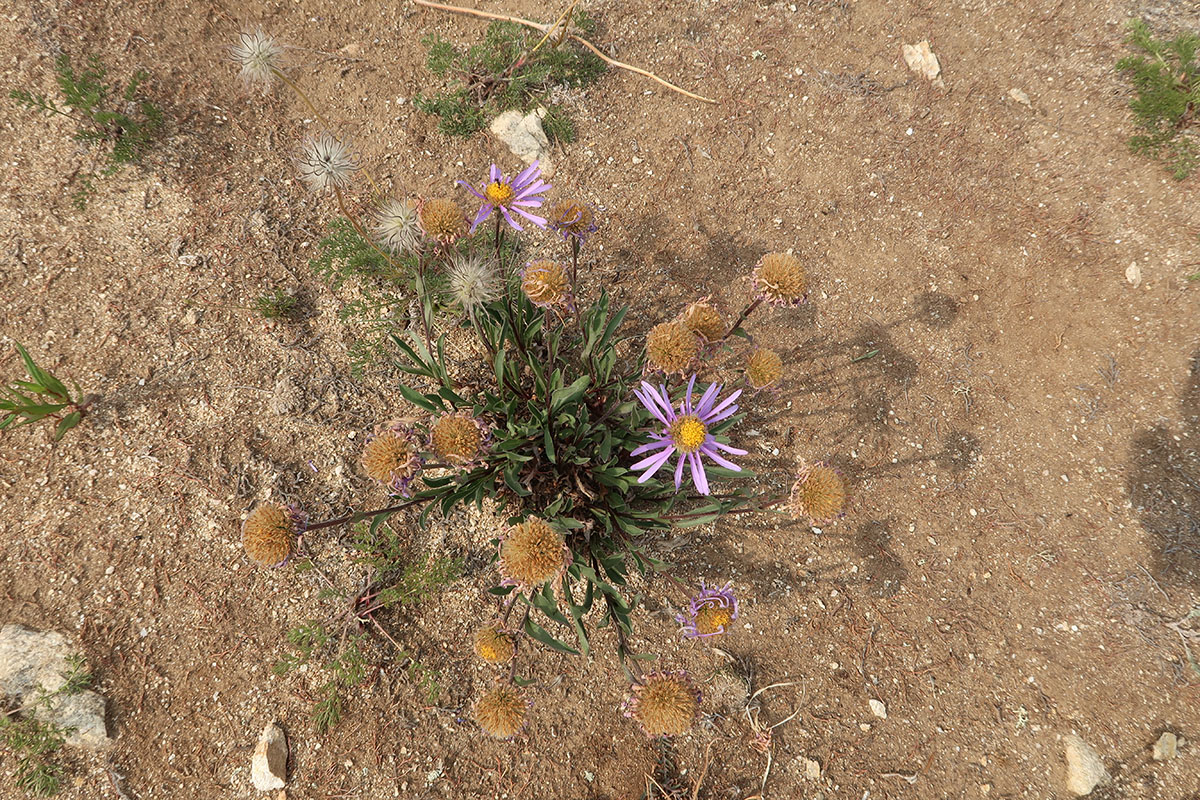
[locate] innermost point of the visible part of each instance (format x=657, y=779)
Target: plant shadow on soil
x=1164, y=487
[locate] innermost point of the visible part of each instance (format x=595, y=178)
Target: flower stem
x=749, y=310
x=359, y=516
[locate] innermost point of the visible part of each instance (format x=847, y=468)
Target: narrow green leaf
x=538, y=632
x=68, y=422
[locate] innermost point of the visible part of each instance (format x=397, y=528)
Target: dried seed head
x=501, y=711
x=573, y=218
x=397, y=227
x=664, y=703
x=473, y=281
x=765, y=367
x=443, y=220
x=703, y=318
x=819, y=493
x=458, y=438
x=546, y=284
x=269, y=534
x=493, y=645
x=671, y=346
x=326, y=163
x=532, y=553
x=391, y=458
x=259, y=56
x=780, y=278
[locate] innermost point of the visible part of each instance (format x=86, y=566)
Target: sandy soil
x=1022, y=446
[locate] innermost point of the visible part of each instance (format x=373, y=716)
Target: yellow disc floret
x=499, y=194
x=713, y=618
x=688, y=433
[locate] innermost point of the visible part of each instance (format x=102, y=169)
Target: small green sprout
x=276, y=304
x=1166, y=76
x=42, y=396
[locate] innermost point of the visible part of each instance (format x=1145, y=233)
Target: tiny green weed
x=276, y=304
x=42, y=396
x=35, y=744
x=513, y=68
x=110, y=117
x=1166, y=76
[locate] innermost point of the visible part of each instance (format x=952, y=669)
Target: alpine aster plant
x=505, y=195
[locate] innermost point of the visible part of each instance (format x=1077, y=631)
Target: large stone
x=35, y=662
x=1166, y=747
x=525, y=138
x=1085, y=770
x=268, y=767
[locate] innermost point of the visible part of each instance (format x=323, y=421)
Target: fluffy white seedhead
x=398, y=228
x=326, y=163
x=473, y=281
x=260, y=57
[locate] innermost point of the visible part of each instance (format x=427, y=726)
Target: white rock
x=268, y=767
x=1133, y=274
x=878, y=708
x=32, y=661
x=812, y=769
x=1019, y=96
x=1166, y=748
x=1085, y=770
x=921, y=60
x=525, y=138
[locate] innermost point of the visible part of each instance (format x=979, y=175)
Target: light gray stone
x=525, y=138
x=35, y=661
x=268, y=767
x=1166, y=748
x=1085, y=770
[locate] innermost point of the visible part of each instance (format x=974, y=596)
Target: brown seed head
x=391, y=458
x=765, y=367
x=819, y=493
x=665, y=703
x=501, y=711
x=671, y=346
x=442, y=219
x=269, y=533
x=493, y=645
x=458, y=438
x=546, y=283
x=780, y=278
x=532, y=553
x=573, y=218
x=704, y=319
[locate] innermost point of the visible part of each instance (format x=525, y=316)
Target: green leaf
x=569, y=394
x=424, y=401
x=68, y=422
x=538, y=632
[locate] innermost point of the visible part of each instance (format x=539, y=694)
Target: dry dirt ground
x=1022, y=444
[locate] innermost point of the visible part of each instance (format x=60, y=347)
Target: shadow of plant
x=1164, y=487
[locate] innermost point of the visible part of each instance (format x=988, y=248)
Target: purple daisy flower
x=508, y=195
x=686, y=431
x=710, y=613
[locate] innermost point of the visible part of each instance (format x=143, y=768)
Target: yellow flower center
x=499, y=194
x=688, y=433
x=712, y=618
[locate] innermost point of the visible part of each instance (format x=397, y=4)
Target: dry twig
x=549, y=29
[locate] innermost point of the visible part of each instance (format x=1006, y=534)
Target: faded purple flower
x=709, y=613
x=686, y=431
x=508, y=195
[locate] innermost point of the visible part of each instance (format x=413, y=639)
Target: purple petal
x=720, y=460
x=660, y=441
x=679, y=471
x=533, y=202
x=737, y=451
x=536, y=220
x=655, y=462
x=510, y=220
x=713, y=419
x=687, y=401
x=524, y=175
x=655, y=405
x=471, y=189
x=540, y=187
x=483, y=214
x=706, y=400
x=493, y=173
x=698, y=475
x=727, y=401
x=666, y=401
